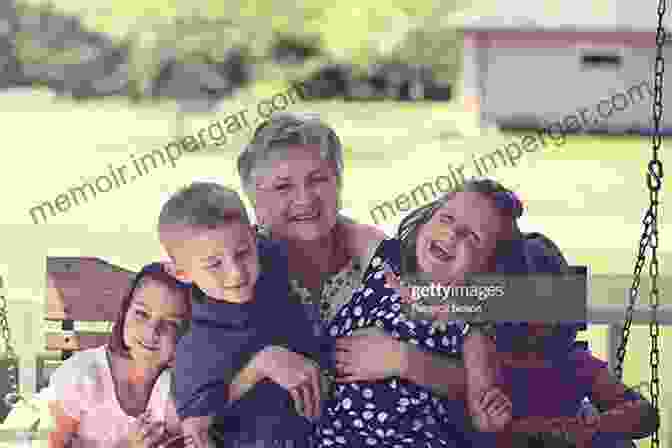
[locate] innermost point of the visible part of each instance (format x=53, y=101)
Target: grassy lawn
x=588, y=195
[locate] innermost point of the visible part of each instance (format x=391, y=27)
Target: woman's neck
x=311, y=260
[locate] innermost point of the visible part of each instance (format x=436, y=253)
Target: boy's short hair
x=202, y=205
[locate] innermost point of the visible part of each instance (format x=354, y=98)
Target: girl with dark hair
x=118, y=395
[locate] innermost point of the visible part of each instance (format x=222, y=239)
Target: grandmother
x=292, y=172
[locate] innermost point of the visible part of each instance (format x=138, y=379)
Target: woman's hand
x=369, y=354
x=146, y=432
x=297, y=374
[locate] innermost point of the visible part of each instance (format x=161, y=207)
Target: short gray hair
x=284, y=129
x=203, y=205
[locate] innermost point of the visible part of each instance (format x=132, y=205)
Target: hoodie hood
x=535, y=254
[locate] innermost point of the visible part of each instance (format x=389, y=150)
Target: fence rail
x=614, y=317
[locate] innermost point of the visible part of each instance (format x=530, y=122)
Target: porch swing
x=648, y=239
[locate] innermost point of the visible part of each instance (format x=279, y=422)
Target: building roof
x=568, y=15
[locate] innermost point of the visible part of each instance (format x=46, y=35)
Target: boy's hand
x=492, y=412
x=297, y=374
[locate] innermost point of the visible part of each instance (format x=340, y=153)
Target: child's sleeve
x=71, y=384
x=206, y=364
x=194, y=386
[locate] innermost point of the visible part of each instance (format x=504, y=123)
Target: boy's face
x=459, y=238
x=223, y=262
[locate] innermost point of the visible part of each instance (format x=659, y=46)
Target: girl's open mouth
x=439, y=252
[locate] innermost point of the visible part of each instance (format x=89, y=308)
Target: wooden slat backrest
x=82, y=289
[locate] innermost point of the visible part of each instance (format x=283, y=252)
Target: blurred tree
x=349, y=31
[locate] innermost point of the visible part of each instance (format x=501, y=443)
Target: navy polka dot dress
x=391, y=412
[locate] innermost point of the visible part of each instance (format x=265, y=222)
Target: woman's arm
x=371, y=354
x=443, y=374
x=66, y=426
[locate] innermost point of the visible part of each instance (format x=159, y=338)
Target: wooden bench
x=82, y=289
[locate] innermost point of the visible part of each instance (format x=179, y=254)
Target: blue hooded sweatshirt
x=223, y=337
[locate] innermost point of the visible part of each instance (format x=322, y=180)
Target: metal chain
x=12, y=397
x=649, y=236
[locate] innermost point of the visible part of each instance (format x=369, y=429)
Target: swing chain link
x=649, y=236
x=12, y=397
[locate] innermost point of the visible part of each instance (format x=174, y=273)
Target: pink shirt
x=84, y=387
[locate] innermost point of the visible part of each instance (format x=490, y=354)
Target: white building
x=532, y=71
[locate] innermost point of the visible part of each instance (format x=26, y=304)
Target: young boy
x=240, y=307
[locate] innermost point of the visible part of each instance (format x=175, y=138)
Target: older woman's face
x=297, y=193
x=460, y=238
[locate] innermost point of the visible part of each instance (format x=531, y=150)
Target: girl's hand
x=297, y=374
x=369, y=354
x=146, y=432
x=492, y=412
x=195, y=431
